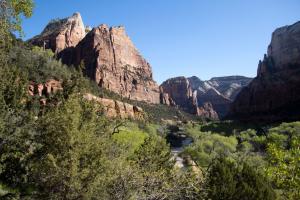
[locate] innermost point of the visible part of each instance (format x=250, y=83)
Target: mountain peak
x=77, y=14
x=61, y=33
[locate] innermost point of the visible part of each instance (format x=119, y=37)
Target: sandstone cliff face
x=61, y=34
x=207, y=111
x=229, y=86
x=51, y=86
x=109, y=57
x=113, y=108
x=219, y=91
x=275, y=93
x=179, y=91
x=110, y=107
x=44, y=90
x=111, y=60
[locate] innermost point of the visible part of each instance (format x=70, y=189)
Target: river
x=178, y=141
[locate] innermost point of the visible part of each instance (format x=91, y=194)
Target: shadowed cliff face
x=109, y=57
x=275, y=93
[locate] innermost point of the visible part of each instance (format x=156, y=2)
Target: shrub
x=208, y=146
x=227, y=180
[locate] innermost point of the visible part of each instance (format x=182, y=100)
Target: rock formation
x=275, y=93
x=48, y=88
x=44, y=90
x=179, y=91
x=113, y=108
x=111, y=60
x=61, y=34
x=207, y=111
x=108, y=55
x=229, y=86
x=110, y=107
x=165, y=98
x=203, y=98
x=219, y=91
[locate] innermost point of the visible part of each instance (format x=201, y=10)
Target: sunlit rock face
x=112, y=60
x=219, y=91
x=108, y=55
x=275, y=93
x=117, y=109
x=61, y=34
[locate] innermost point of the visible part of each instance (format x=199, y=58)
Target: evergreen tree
x=227, y=180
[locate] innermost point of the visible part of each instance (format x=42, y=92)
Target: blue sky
x=206, y=38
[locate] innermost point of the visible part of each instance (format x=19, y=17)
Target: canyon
x=108, y=56
x=210, y=98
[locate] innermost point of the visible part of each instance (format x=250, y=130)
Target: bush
x=283, y=154
x=208, y=146
x=227, y=180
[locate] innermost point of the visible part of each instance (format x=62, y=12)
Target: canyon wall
x=196, y=96
x=274, y=94
x=180, y=93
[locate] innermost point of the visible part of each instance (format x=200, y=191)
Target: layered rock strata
x=111, y=108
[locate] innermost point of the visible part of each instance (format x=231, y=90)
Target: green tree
x=228, y=180
x=207, y=146
x=13, y=88
x=284, y=159
x=71, y=156
x=153, y=154
x=11, y=12
x=16, y=129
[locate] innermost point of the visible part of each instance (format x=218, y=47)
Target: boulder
x=31, y=89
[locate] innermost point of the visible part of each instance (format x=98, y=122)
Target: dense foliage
x=11, y=12
x=228, y=180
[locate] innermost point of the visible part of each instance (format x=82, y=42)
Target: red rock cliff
x=109, y=56
x=112, y=60
x=178, y=91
